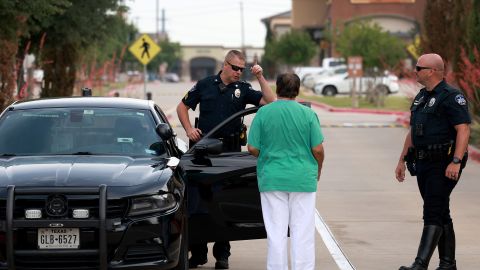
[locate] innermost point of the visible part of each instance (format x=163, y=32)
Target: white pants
x=297, y=211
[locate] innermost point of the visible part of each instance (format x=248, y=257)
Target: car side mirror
x=164, y=130
x=208, y=146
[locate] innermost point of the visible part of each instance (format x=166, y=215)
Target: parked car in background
x=343, y=84
x=171, y=77
x=101, y=183
x=310, y=80
x=327, y=64
x=38, y=75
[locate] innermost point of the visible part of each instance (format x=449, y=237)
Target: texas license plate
x=58, y=238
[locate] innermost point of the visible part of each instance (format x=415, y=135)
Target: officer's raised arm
x=267, y=92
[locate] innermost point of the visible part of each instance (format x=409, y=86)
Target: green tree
x=468, y=72
x=107, y=55
x=84, y=24
x=19, y=20
x=293, y=48
x=378, y=48
x=445, y=26
x=268, y=59
x=170, y=54
x=473, y=27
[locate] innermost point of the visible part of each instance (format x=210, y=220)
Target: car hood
x=79, y=171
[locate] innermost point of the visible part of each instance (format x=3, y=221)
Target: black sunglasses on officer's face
x=236, y=68
x=418, y=68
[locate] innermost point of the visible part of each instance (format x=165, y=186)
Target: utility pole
x=156, y=22
x=163, y=22
x=242, y=27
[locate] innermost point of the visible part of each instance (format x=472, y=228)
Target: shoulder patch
x=193, y=88
x=460, y=99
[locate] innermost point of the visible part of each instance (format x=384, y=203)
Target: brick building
x=402, y=18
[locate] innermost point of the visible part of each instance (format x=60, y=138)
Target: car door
x=223, y=197
x=343, y=83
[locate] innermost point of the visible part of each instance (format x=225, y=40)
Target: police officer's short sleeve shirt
x=435, y=113
x=218, y=101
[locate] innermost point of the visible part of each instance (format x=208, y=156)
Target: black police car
x=97, y=183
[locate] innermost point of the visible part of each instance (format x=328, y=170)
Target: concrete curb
x=353, y=110
x=473, y=153
x=403, y=119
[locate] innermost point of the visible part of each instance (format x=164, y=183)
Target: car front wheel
x=183, y=257
x=329, y=91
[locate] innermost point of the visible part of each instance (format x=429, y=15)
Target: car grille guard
x=99, y=222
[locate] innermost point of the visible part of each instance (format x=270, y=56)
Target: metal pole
x=163, y=22
x=242, y=26
x=156, y=22
x=145, y=81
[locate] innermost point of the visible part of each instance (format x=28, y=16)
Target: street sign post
x=355, y=71
x=144, y=49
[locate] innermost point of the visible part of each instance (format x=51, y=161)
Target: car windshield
x=79, y=131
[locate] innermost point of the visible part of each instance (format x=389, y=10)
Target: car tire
x=183, y=256
x=329, y=91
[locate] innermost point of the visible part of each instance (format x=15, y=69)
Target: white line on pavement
x=332, y=245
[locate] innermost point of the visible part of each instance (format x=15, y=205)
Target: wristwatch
x=456, y=160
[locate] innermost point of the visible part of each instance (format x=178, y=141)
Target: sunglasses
x=236, y=68
x=418, y=68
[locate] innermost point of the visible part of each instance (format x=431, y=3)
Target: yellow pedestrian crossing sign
x=144, y=49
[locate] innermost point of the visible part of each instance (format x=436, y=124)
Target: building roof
x=286, y=14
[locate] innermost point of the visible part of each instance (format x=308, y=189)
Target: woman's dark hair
x=288, y=85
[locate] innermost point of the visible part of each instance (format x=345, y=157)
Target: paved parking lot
x=375, y=220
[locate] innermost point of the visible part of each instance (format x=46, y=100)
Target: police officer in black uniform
x=435, y=150
x=221, y=96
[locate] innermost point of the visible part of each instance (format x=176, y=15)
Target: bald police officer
x=436, y=151
x=221, y=96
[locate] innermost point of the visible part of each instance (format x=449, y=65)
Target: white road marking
x=332, y=245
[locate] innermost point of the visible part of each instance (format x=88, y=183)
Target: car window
x=60, y=131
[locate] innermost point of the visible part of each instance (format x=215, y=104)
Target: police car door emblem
x=237, y=93
x=431, y=102
x=460, y=99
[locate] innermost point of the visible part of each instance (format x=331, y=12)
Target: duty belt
x=437, y=152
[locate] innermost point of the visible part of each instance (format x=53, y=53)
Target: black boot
x=446, y=249
x=430, y=236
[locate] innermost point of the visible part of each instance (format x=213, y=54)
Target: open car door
x=223, y=197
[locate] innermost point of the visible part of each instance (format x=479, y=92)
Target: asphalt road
x=370, y=220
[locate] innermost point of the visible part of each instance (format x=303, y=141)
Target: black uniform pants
x=221, y=250
x=435, y=189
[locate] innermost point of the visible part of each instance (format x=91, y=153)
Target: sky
x=207, y=22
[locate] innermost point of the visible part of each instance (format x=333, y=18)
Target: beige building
x=201, y=61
